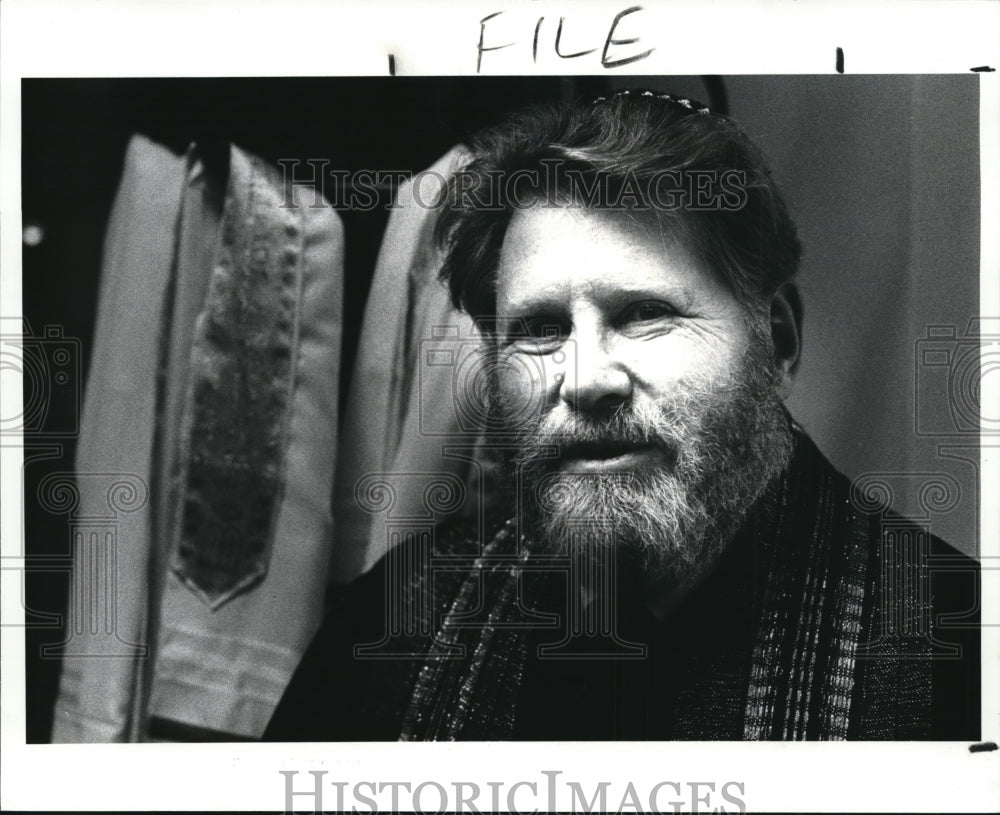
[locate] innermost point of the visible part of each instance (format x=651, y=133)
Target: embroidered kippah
x=690, y=105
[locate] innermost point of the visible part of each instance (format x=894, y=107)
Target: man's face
x=621, y=348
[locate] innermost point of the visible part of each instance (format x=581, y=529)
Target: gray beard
x=722, y=445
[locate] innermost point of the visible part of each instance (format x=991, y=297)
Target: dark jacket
x=827, y=617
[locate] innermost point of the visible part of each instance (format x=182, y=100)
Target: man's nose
x=596, y=382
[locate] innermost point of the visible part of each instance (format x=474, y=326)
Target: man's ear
x=786, y=332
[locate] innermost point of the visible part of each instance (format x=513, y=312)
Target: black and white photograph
x=605, y=414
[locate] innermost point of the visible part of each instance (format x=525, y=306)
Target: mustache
x=630, y=427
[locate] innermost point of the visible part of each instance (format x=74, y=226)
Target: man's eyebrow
x=680, y=296
x=554, y=302
x=542, y=302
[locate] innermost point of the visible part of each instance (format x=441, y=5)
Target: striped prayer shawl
x=823, y=664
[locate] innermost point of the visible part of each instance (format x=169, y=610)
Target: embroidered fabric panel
x=242, y=373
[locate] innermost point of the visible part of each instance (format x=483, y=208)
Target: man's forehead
x=569, y=219
x=550, y=251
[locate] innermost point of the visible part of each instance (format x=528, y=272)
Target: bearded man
x=669, y=556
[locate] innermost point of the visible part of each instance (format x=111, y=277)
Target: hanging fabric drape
x=214, y=383
x=409, y=428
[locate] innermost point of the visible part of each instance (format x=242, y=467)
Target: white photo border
x=41, y=38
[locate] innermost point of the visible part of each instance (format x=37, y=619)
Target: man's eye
x=647, y=310
x=537, y=334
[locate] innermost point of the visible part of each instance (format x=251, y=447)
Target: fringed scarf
x=819, y=601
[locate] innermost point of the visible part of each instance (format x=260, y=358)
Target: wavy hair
x=625, y=143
